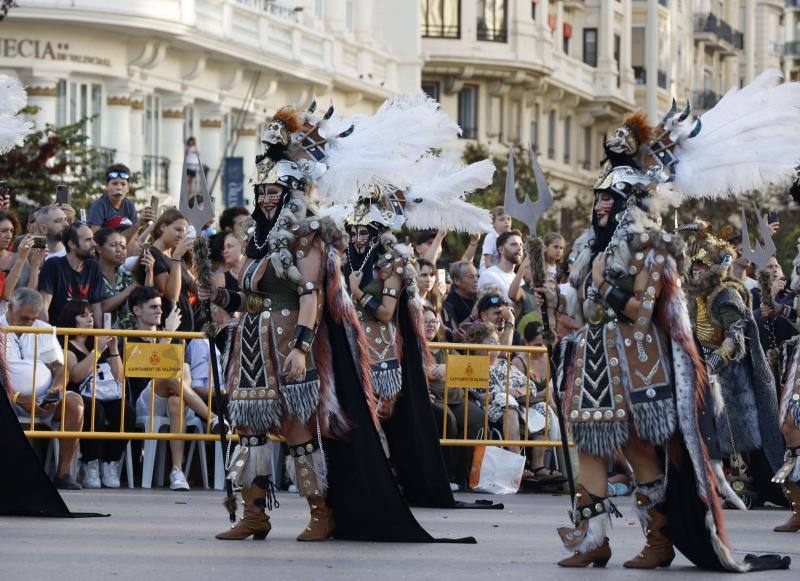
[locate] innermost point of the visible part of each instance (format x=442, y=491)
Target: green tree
x=49, y=157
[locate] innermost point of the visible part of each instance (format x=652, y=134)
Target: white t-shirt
x=489, y=247
x=20, y=358
x=750, y=283
x=493, y=275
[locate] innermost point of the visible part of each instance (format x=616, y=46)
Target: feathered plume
x=382, y=148
x=436, y=198
x=749, y=140
x=13, y=129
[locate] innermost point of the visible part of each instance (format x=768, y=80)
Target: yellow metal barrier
x=67, y=333
x=526, y=441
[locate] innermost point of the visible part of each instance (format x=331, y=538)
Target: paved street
x=165, y=535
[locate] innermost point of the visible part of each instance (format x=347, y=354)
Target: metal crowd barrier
x=66, y=333
x=183, y=337
x=527, y=441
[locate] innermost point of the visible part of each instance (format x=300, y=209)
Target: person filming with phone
x=45, y=362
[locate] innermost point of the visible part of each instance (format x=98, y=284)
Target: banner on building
x=153, y=360
x=233, y=181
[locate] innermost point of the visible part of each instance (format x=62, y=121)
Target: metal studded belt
x=256, y=302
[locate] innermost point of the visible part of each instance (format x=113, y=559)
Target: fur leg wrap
x=655, y=421
x=655, y=492
x=600, y=438
x=250, y=459
x=790, y=471
x=307, y=469
x=592, y=520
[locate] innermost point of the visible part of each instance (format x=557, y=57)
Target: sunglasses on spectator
x=112, y=175
x=496, y=300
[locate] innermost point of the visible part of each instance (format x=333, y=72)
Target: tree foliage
x=49, y=157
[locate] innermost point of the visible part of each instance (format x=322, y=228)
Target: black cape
x=411, y=431
x=25, y=489
x=366, y=501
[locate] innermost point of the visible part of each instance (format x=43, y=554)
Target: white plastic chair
x=154, y=450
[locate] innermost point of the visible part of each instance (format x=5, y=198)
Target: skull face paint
x=622, y=141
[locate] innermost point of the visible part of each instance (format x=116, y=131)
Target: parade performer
x=637, y=383
x=788, y=475
x=411, y=187
x=740, y=380
x=299, y=366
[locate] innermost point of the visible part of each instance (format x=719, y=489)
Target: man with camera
x=42, y=360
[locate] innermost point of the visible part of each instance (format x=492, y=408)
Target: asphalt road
x=163, y=535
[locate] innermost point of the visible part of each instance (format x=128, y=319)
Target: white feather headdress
x=13, y=129
x=382, y=147
x=747, y=141
x=437, y=197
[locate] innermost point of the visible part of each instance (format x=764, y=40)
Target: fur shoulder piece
x=639, y=232
x=729, y=293
x=582, y=249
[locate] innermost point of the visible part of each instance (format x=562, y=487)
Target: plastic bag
x=495, y=470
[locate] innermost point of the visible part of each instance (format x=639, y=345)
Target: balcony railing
x=710, y=23
x=270, y=7
x=155, y=173
x=792, y=48
x=496, y=34
x=704, y=99
x=430, y=30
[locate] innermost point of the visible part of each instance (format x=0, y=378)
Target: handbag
x=495, y=470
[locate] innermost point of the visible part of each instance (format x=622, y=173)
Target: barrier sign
x=467, y=371
x=154, y=360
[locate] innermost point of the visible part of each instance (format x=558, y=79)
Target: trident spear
x=529, y=213
x=760, y=256
x=199, y=212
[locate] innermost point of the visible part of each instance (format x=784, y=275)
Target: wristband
x=303, y=338
x=616, y=298
x=113, y=354
x=371, y=305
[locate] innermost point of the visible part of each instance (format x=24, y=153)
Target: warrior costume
x=635, y=381
x=788, y=474
x=743, y=401
x=382, y=277
x=293, y=302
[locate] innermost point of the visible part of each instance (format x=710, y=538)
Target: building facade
x=152, y=73
x=553, y=73
x=700, y=49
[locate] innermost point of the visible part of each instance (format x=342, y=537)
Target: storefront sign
x=153, y=360
x=32, y=48
x=233, y=181
x=467, y=371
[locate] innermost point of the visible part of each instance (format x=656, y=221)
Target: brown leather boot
x=658, y=550
x=321, y=526
x=254, y=521
x=598, y=557
x=792, y=491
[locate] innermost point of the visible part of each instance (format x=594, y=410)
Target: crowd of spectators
x=129, y=269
